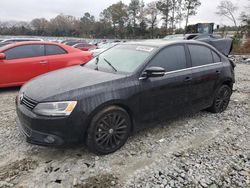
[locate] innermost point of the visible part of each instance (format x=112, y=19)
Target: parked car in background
x=95, y=41
x=102, y=47
x=122, y=90
x=175, y=37
x=73, y=42
x=85, y=46
x=66, y=40
x=21, y=40
x=2, y=44
x=22, y=61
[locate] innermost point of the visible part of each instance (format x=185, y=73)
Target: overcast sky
x=26, y=10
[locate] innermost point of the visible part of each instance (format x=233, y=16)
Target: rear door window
x=216, y=57
x=171, y=58
x=25, y=51
x=54, y=50
x=200, y=55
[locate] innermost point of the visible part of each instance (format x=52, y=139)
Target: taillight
x=232, y=63
x=91, y=56
x=87, y=58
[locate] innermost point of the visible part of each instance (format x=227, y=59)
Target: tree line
x=119, y=20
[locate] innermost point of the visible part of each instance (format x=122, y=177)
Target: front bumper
x=54, y=131
x=39, y=138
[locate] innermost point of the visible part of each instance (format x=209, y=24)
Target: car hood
x=47, y=86
x=223, y=45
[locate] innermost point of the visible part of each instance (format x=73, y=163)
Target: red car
x=23, y=61
x=84, y=46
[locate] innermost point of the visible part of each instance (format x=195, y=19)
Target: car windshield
x=121, y=58
x=106, y=45
x=81, y=45
x=174, y=37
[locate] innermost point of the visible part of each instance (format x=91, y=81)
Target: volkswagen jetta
x=124, y=89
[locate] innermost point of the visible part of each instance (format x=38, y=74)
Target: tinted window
x=81, y=45
x=25, y=51
x=54, y=50
x=216, y=57
x=72, y=43
x=200, y=55
x=171, y=58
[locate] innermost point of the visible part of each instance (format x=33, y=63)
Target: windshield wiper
x=96, y=63
x=110, y=64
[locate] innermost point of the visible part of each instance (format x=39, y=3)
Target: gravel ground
x=201, y=150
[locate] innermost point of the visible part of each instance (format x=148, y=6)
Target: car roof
x=23, y=39
x=27, y=43
x=159, y=43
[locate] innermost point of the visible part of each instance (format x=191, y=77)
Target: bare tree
x=179, y=12
x=63, y=25
x=245, y=19
x=164, y=7
x=39, y=25
x=152, y=14
x=134, y=10
x=142, y=18
x=173, y=14
x=227, y=9
x=190, y=6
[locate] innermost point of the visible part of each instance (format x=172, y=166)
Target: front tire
x=221, y=99
x=109, y=130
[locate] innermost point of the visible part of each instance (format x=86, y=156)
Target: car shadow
x=9, y=89
x=80, y=150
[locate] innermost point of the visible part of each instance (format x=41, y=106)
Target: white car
x=21, y=40
x=102, y=47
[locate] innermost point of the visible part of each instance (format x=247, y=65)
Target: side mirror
x=2, y=56
x=152, y=72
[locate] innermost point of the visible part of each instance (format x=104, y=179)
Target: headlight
x=55, y=108
x=19, y=97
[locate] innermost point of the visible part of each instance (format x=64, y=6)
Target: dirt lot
x=202, y=150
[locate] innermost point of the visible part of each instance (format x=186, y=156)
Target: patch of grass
x=17, y=168
x=241, y=49
x=99, y=181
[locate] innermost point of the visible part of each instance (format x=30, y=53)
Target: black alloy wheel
x=109, y=130
x=221, y=99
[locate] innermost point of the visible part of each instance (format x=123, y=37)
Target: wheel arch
x=118, y=103
x=229, y=82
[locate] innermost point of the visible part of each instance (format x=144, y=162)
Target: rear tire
x=221, y=99
x=109, y=130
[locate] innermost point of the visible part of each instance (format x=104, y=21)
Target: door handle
x=43, y=62
x=187, y=79
x=217, y=72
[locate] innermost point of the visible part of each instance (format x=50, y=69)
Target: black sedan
x=124, y=89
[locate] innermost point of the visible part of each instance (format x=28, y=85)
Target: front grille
x=28, y=103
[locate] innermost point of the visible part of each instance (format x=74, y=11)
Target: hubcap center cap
x=111, y=131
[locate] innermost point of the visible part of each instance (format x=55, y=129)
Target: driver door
x=168, y=96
